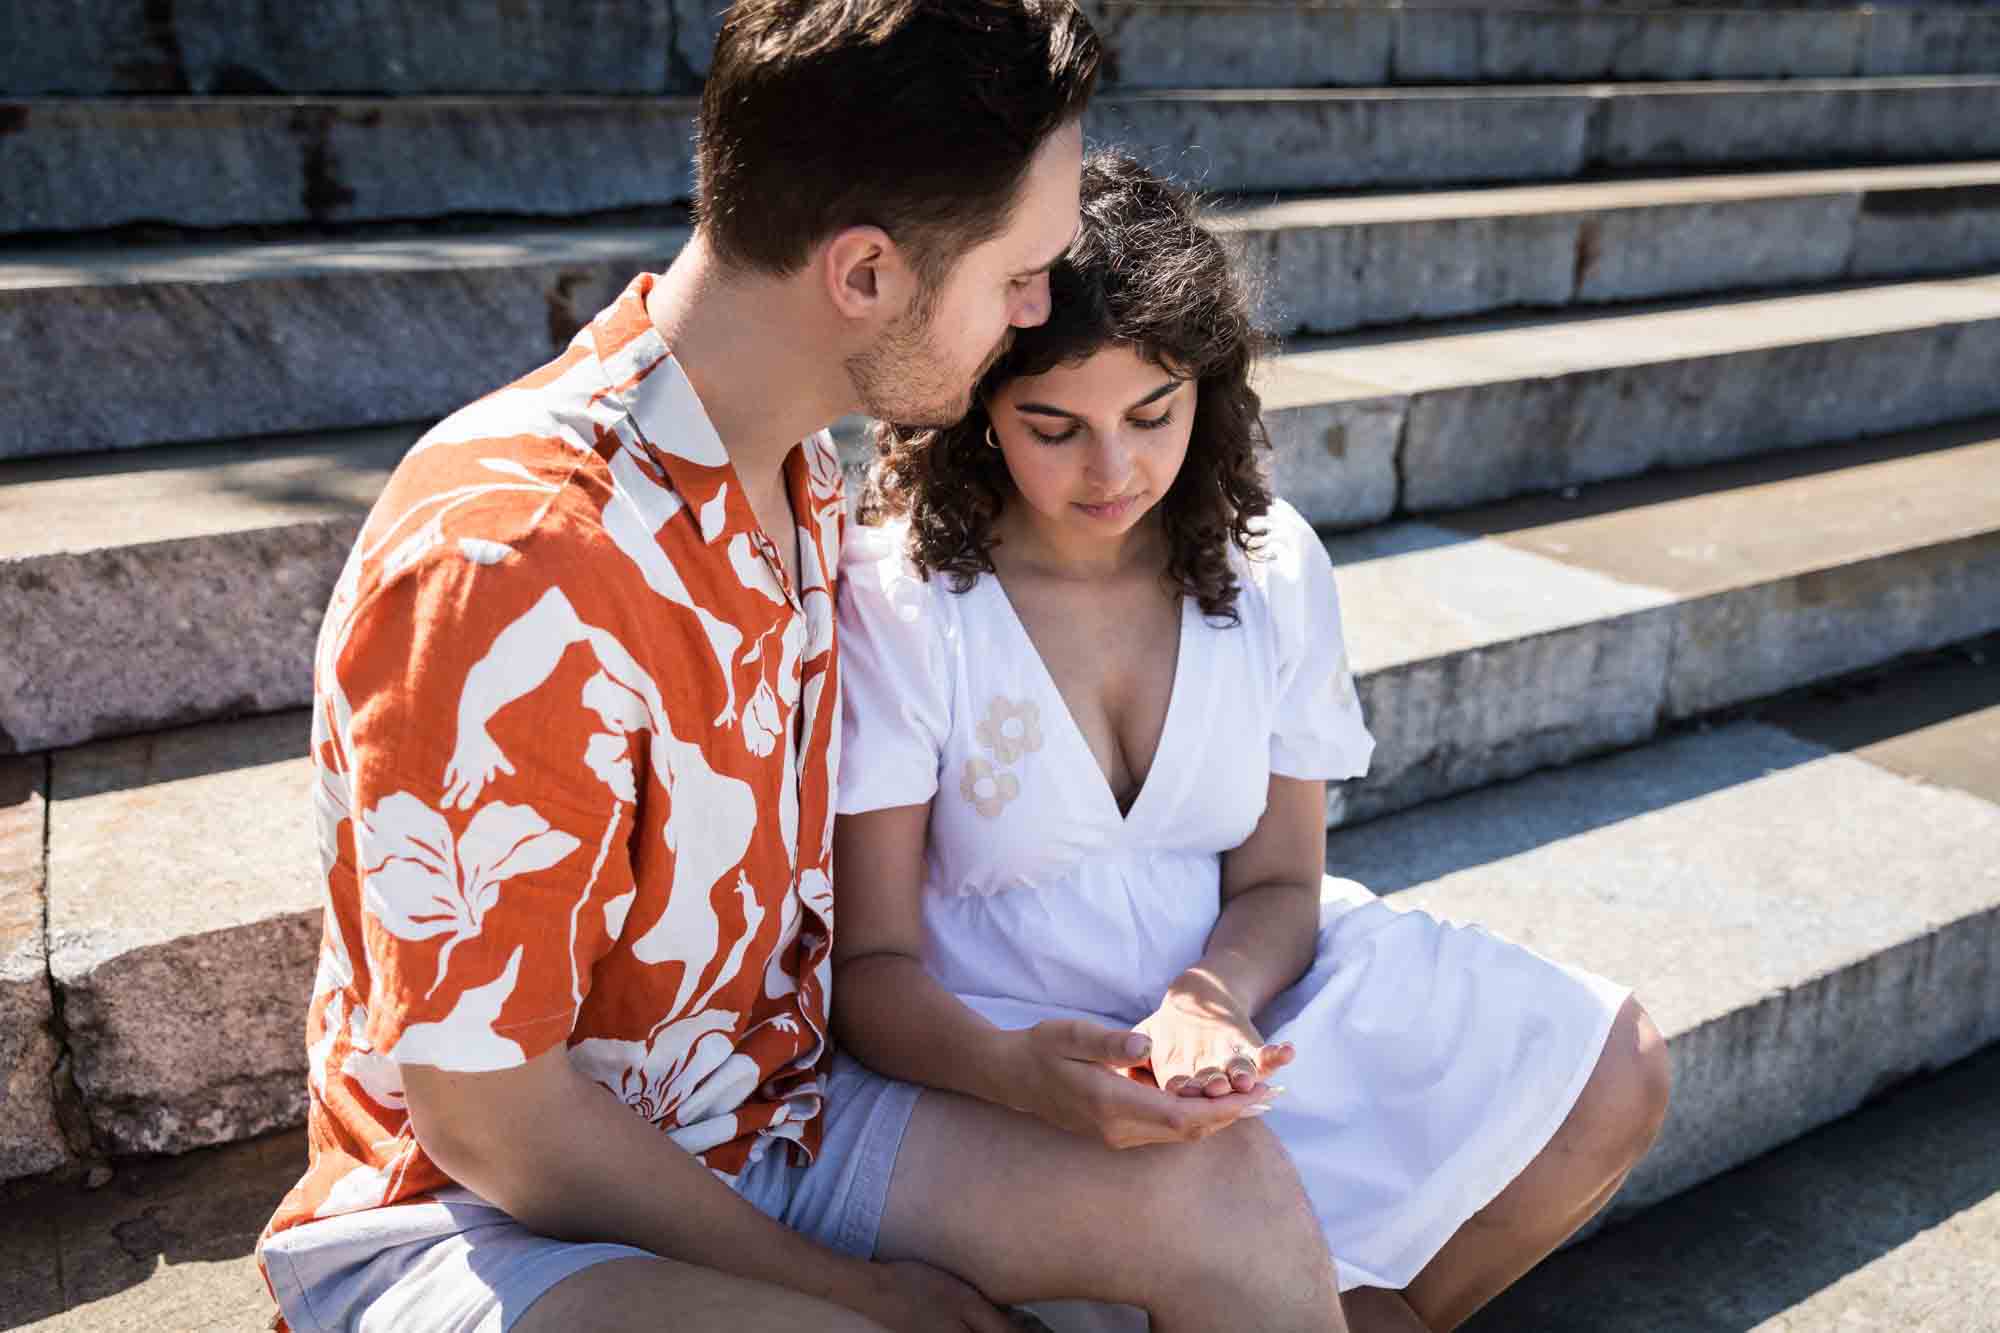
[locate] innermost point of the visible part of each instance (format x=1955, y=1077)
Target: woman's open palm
x=1205, y=1048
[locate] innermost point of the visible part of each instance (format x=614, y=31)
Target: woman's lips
x=1110, y=509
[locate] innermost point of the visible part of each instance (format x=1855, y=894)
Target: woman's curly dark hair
x=1143, y=272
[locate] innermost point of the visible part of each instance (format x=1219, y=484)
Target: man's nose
x=1033, y=306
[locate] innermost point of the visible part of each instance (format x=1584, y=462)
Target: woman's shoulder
x=876, y=570
x=1284, y=550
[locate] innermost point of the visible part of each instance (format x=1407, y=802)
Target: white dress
x=1434, y=1061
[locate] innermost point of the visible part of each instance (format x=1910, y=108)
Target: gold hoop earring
x=991, y=442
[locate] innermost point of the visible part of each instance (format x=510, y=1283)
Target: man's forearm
x=581, y=1166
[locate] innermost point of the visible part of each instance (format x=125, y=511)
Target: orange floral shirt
x=575, y=732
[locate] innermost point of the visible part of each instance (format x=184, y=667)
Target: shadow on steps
x=1827, y=1232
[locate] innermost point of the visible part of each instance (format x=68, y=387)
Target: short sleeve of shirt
x=895, y=677
x=1318, y=732
x=489, y=812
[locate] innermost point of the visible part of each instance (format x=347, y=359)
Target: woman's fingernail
x=1136, y=1046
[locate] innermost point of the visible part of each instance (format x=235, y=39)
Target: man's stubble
x=904, y=378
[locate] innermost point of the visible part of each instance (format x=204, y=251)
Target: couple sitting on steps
x=738, y=919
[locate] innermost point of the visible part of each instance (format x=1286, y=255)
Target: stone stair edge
x=331, y=160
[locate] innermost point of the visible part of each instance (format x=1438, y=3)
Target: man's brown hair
x=916, y=116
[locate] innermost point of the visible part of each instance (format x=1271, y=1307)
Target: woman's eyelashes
x=1159, y=422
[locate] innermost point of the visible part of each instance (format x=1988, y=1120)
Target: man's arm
x=564, y=1158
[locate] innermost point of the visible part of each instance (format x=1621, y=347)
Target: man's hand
x=1204, y=1045
x=910, y=1297
x=1084, y=1078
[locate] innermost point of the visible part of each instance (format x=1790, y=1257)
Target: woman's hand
x=1204, y=1045
x=1085, y=1078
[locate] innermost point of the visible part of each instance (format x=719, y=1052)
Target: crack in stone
x=66, y=1097
x=1399, y=460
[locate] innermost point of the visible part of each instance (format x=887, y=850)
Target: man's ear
x=865, y=275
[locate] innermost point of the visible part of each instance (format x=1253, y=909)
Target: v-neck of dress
x=1123, y=818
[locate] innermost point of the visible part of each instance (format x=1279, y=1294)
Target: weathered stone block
x=1901, y=232
x=1478, y=662
x=1525, y=45
x=31, y=1141
x=1298, y=141
x=1735, y=878
x=1633, y=254
x=229, y=161
x=1702, y=390
x=235, y=47
x=1336, y=462
x=1327, y=279
x=1753, y=642
x=265, y=340
x=1243, y=45
x=1923, y=40
x=184, y=922
x=129, y=638
x=1877, y=120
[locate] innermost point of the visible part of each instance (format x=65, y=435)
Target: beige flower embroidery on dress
x=987, y=788
x=1010, y=729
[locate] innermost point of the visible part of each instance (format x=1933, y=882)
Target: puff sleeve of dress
x=895, y=676
x=1318, y=732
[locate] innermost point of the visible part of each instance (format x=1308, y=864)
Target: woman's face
x=1093, y=447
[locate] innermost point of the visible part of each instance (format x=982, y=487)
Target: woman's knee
x=1625, y=1102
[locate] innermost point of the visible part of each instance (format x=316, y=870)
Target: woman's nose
x=1111, y=459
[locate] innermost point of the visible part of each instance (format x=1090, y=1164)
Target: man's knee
x=1230, y=1211
x=653, y=1295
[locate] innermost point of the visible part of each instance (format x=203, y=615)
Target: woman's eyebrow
x=1045, y=410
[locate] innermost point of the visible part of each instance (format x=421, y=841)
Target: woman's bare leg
x=1204, y=1236
x=1612, y=1126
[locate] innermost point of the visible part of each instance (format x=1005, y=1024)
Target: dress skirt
x=1434, y=1062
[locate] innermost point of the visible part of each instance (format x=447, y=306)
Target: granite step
x=1887, y=1219
x=1427, y=419
x=122, y=47
x=218, y=341
x=1332, y=264
x=1265, y=45
x=1487, y=642
x=1808, y=902
x=1365, y=424
x=78, y=164
x=247, y=338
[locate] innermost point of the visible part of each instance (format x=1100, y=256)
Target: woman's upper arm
x=878, y=880
x=1289, y=843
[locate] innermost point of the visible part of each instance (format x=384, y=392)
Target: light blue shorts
x=460, y=1265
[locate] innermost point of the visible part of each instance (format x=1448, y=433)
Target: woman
x=1095, y=685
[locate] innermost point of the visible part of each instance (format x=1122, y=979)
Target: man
x=576, y=718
